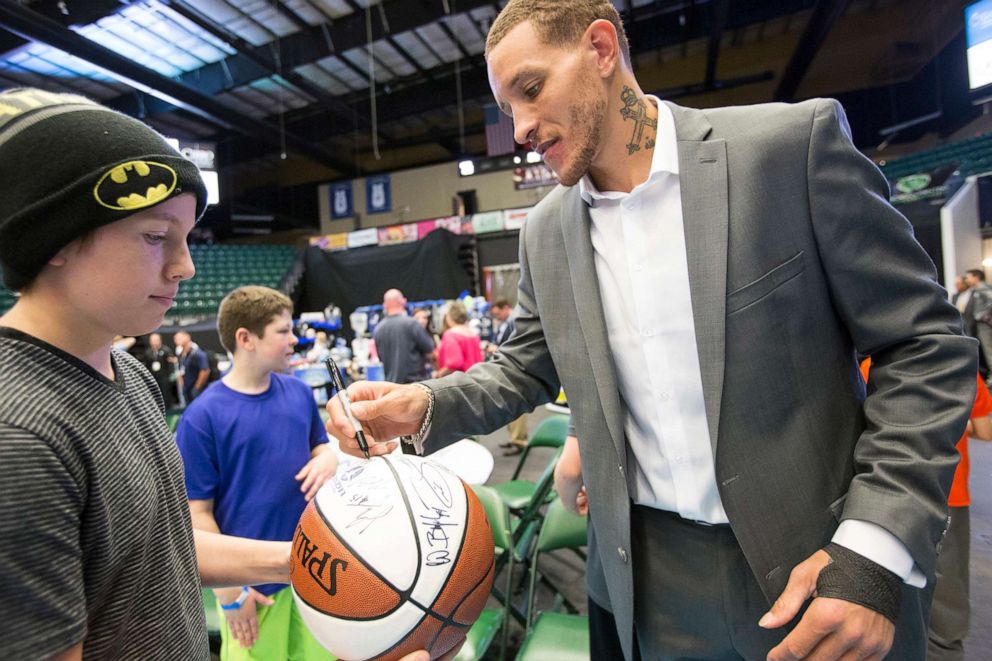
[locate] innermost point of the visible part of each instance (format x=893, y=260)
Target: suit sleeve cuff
x=874, y=542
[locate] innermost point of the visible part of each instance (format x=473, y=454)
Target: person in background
x=502, y=315
x=960, y=287
x=321, y=348
x=460, y=347
x=977, y=313
x=161, y=362
x=194, y=366
x=423, y=317
x=402, y=344
x=255, y=452
x=951, y=610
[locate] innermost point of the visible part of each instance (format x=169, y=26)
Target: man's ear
x=601, y=36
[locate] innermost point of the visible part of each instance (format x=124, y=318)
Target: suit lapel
x=575, y=223
x=705, y=216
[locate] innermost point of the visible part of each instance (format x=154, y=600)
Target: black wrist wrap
x=855, y=578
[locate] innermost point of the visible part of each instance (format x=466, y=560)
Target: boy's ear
x=62, y=256
x=244, y=339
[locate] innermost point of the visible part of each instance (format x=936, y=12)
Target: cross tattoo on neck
x=635, y=109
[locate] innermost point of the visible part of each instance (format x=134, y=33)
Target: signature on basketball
x=435, y=495
x=369, y=503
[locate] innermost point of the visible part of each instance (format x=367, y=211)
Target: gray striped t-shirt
x=95, y=537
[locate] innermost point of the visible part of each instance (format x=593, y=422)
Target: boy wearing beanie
x=96, y=548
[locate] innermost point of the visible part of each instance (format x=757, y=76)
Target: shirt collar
x=665, y=157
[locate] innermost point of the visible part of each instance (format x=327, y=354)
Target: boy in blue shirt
x=255, y=452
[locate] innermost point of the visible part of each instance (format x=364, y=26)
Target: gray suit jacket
x=796, y=262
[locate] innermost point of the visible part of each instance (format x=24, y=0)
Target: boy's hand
x=318, y=470
x=386, y=411
x=568, y=479
x=243, y=622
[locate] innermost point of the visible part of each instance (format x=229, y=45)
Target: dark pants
x=951, y=604
x=704, y=602
x=604, y=643
x=695, y=596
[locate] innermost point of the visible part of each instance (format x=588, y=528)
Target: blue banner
x=978, y=22
x=342, y=205
x=378, y=198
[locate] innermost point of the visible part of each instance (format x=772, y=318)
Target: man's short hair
x=978, y=273
x=501, y=302
x=252, y=308
x=557, y=22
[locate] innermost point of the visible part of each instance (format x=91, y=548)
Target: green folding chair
x=492, y=620
x=554, y=636
x=213, y=619
x=551, y=433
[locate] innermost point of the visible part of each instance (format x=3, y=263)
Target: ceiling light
x=466, y=168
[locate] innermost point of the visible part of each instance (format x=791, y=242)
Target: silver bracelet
x=417, y=440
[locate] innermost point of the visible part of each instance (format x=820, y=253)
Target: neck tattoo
x=635, y=109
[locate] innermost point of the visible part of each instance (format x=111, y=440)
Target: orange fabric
x=959, y=496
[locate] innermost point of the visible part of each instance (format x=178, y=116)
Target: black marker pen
x=346, y=405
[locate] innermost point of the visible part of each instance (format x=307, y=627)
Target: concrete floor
x=565, y=569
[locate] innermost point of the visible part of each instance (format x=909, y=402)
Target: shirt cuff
x=874, y=542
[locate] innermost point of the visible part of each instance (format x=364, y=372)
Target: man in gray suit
x=732, y=457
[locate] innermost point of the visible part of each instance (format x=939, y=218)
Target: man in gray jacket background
x=737, y=469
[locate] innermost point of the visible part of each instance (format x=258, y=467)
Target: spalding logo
x=135, y=185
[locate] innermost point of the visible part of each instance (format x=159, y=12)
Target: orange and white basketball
x=393, y=555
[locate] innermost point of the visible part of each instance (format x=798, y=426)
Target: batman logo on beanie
x=135, y=185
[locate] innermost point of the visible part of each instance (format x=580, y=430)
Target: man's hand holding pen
x=386, y=412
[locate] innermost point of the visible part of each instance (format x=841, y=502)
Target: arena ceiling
x=307, y=90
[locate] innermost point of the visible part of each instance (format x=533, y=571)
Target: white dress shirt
x=639, y=250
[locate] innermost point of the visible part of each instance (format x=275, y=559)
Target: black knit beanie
x=69, y=165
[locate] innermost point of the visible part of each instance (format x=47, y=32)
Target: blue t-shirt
x=243, y=452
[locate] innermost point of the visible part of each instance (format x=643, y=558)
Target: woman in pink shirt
x=460, y=347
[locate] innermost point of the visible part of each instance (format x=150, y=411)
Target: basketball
x=393, y=555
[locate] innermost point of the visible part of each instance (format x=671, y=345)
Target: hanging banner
x=378, y=198
x=513, y=219
x=928, y=185
x=425, y=227
x=533, y=176
x=342, y=203
x=397, y=234
x=359, y=238
x=451, y=223
x=337, y=241
x=491, y=221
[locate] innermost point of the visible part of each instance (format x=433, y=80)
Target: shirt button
x=648, y=332
x=620, y=468
x=622, y=553
x=679, y=458
x=638, y=267
x=664, y=396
